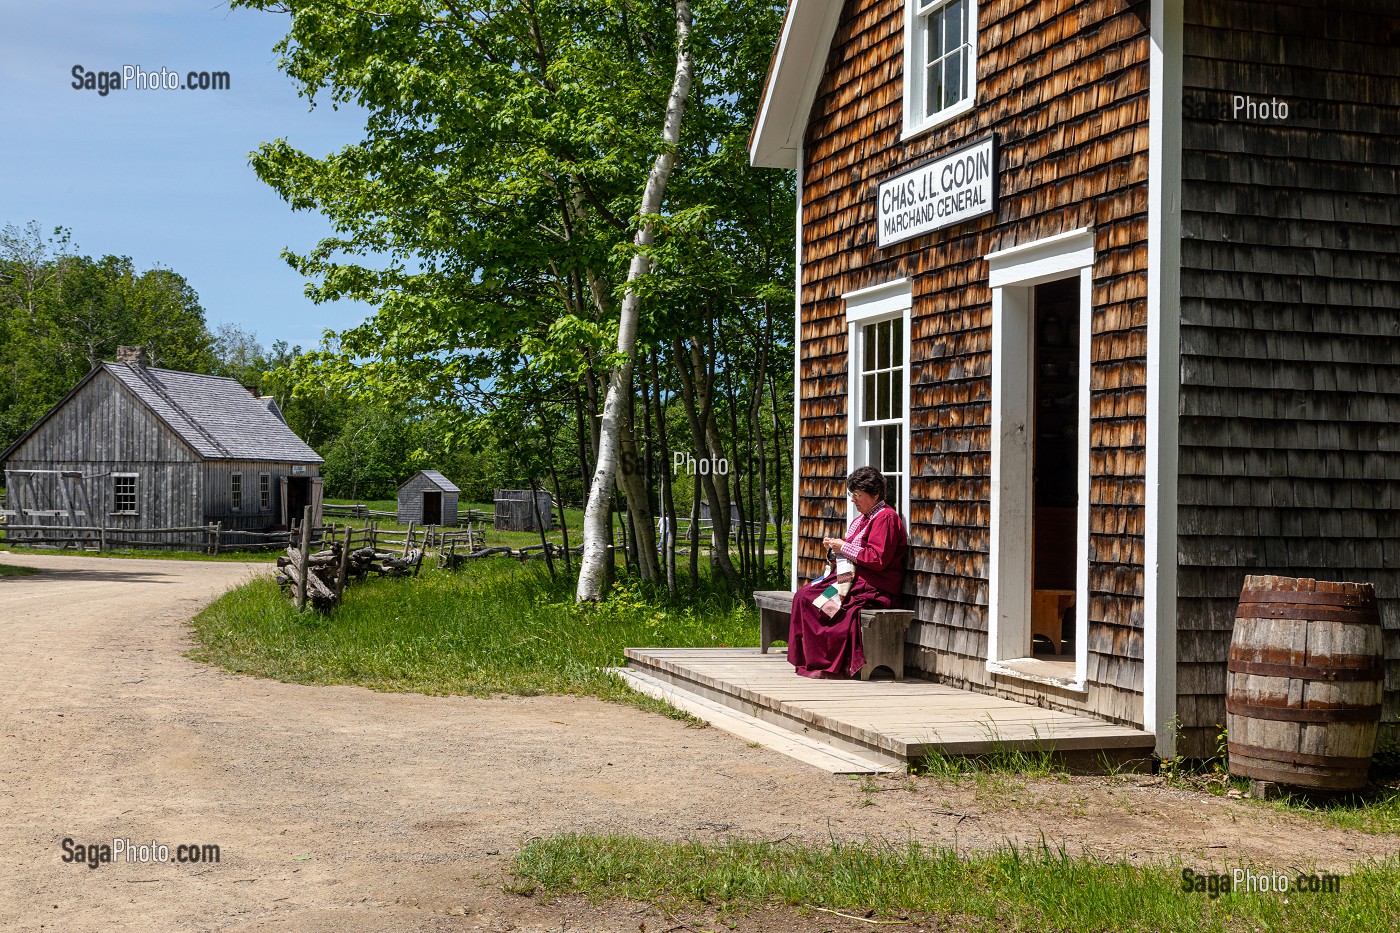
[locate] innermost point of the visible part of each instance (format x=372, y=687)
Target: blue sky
x=163, y=176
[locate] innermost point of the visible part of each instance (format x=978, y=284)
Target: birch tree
x=617, y=414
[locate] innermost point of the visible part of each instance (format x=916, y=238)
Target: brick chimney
x=134, y=356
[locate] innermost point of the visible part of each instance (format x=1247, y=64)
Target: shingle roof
x=215, y=415
x=442, y=482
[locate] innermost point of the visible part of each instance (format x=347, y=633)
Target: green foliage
x=1009, y=888
x=63, y=313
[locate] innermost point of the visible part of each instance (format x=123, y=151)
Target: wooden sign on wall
x=949, y=190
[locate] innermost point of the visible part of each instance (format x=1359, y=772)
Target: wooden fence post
x=218, y=533
x=408, y=539
x=343, y=571
x=304, y=567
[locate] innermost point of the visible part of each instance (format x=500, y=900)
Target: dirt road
x=337, y=808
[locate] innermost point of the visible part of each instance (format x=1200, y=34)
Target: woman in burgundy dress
x=867, y=572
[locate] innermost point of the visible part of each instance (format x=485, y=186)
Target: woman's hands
x=833, y=544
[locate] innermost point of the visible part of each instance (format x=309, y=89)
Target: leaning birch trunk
x=596, y=536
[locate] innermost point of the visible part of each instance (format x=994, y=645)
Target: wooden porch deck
x=883, y=723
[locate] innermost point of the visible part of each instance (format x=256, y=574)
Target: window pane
x=882, y=402
x=934, y=91
x=882, y=345
x=897, y=392
x=868, y=339
x=872, y=448
x=890, y=449
x=954, y=78
x=868, y=398
x=897, y=341
x=953, y=26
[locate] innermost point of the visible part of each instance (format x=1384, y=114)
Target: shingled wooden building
x=132, y=447
x=1110, y=291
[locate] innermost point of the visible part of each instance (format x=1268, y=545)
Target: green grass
x=496, y=628
x=1008, y=889
x=9, y=570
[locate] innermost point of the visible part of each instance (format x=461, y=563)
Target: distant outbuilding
x=515, y=512
x=428, y=498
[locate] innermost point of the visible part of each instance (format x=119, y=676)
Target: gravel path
x=338, y=808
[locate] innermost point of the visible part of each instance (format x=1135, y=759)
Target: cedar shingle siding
x=1290, y=321
x=1063, y=86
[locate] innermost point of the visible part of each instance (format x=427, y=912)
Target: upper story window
x=940, y=61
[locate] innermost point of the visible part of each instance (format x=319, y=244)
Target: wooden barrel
x=1304, y=682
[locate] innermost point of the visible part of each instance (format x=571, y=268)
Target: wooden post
x=304, y=569
x=344, y=568
x=408, y=539
x=218, y=533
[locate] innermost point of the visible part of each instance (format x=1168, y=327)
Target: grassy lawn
x=7, y=570
x=1044, y=889
x=498, y=627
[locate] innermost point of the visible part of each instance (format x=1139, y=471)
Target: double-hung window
x=265, y=492
x=235, y=492
x=880, y=430
x=940, y=61
x=878, y=318
x=124, y=493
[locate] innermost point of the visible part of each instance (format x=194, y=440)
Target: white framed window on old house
x=123, y=493
x=265, y=492
x=878, y=426
x=235, y=492
x=940, y=61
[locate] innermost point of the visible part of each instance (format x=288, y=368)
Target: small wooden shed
x=514, y=512
x=428, y=498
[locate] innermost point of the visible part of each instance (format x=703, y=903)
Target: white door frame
x=1014, y=273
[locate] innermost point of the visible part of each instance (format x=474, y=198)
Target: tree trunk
x=595, y=530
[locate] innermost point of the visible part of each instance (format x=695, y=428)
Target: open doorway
x=1054, y=465
x=1039, y=560
x=432, y=507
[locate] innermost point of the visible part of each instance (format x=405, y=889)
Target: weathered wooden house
x=132, y=448
x=428, y=498
x=1110, y=291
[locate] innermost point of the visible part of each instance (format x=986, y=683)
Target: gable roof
x=793, y=76
x=215, y=416
x=442, y=482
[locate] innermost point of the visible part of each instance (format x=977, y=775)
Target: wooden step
x=803, y=747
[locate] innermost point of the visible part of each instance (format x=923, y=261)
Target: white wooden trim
x=865, y=306
x=796, y=72
x=1014, y=272
x=878, y=300
x=914, y=125
x=1159, y=701
x=1008, y=569
x=1041, y=260
x=797, y=383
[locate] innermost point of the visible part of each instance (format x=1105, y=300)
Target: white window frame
x=264, y=492
x=135, y=494
x=916, y=69
x=235, y=492
x=890, y=301
x=1014, y=273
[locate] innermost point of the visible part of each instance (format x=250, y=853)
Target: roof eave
x=793, y=77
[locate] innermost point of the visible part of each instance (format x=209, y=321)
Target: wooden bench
x=882, y=631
